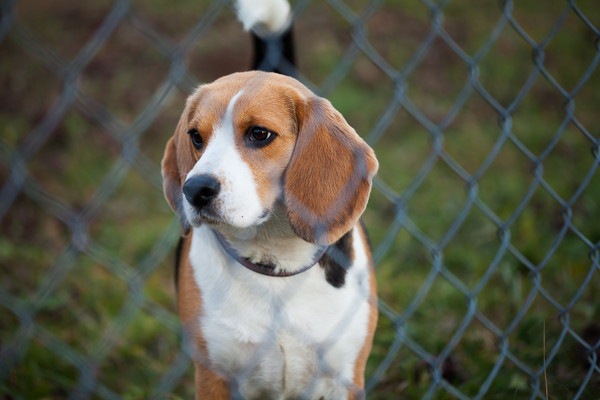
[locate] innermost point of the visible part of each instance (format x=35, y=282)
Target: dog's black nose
x=200, y=190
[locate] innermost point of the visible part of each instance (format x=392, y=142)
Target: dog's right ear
x=328, y=180
x=172, y=178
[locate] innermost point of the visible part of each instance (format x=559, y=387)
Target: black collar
x=266, y=269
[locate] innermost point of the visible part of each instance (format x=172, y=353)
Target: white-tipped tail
x=272, y=15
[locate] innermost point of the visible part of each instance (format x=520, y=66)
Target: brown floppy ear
x=328, y=180
x=172, y=179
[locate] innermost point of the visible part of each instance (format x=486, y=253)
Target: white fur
x=274, y=15
x=238, y=203
x=294, y=337
x=272, y=242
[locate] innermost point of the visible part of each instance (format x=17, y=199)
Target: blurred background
x=484, y=218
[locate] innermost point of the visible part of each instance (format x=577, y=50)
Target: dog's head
x=251, y=140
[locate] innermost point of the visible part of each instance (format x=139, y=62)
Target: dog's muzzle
x=201, y=190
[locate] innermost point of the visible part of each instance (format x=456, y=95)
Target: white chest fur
x=294, y=337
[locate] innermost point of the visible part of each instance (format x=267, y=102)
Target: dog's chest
x=294, y=337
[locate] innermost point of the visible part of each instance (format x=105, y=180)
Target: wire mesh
x=484, y=216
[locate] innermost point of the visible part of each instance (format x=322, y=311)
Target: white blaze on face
x=238, y=203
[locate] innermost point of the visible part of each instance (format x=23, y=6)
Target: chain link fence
x=484, y=219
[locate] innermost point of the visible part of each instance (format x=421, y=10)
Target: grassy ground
x=110, y=306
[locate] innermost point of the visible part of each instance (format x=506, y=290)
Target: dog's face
x=250, y=140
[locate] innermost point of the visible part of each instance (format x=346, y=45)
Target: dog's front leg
x=209, y=385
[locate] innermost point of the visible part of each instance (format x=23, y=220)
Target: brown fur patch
x=363, y=355
x=328, y=180
x=269, y=104
x=209, y=385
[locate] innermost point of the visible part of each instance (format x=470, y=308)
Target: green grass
x=115, y=301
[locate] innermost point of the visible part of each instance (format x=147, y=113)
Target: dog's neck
x=272, y=244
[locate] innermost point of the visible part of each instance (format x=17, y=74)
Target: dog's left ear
x=328, y=180
x=172, y=178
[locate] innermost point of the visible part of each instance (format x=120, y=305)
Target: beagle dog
x=276, y=290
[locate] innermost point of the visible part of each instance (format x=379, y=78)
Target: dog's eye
x=196, y=138
x=260, y=135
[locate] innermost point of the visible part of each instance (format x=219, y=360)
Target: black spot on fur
x=337, y=260
x=178, y=262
